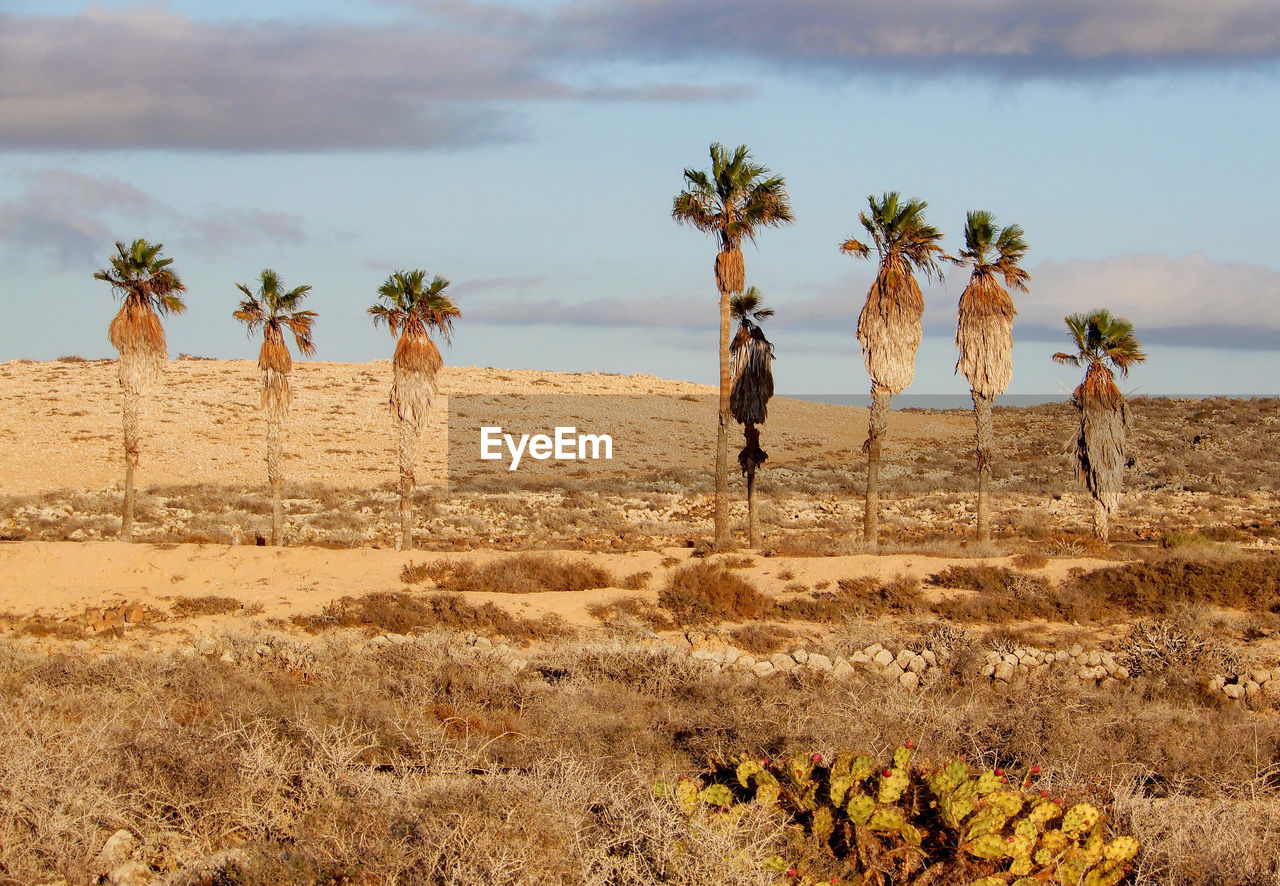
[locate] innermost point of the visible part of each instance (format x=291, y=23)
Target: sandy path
x=65, y=578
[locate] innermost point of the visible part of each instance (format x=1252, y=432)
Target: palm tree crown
x=273, y=309
x=1102, y=341
x=733, y=200
x=144, y=278
x=889, y=325
x=984, y=331
x=412, y=305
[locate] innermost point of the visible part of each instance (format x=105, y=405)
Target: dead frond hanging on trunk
x=751, y=375
x=889, y=328
x=413, y=386
x=1098, y=446
x=752, y=456
x=276, y=364
x=138, y=335
x=984, y=335
x=731, y=275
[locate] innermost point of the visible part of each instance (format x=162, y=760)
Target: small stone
x=917, y=664
x=1077, y=650
x=1253, y=691
x=1260, y=676
x=744, y=661
x=731, y=654
x=874, y=649
x=116, y=851
x=989, y=670
x=892, y=671
x=860, y=657
x=909, y=680
x=764, y=668
x=1108, y=682
x=782, y=661
x=205, y=645
x=131, y=873
x=262, y=650
x=483, y=643
x=227, y=657
x=994, y=658
x=930, y=658
x=1094, y=659
x=1233, y=691
x=1004, y=672
x=135, y=613
x=1216, y=682
x=1050, y=657
x=819, y=662
x=398, y=639
x=904, y=658
x=702, y=654
x=883, y=657
x=800, y=655
x=1122, y=673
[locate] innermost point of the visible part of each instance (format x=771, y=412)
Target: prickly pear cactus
x=858, y=821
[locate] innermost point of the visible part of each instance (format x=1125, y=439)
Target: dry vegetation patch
x=401, y=613
x=521, y=574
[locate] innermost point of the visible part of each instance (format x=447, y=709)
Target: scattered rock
x=820, y=662
x=118, y=849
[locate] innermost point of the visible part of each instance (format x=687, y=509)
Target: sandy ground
x=60, y=423
x=65, y=578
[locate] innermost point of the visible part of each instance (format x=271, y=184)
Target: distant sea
x=963, y=401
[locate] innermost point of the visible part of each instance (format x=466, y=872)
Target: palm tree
x=752, y=386
x=1097, y=447
x=149, y=288
x=411, y=307
x=274, y=310
x=889, y=325
x=984, y=330
x=732, y=201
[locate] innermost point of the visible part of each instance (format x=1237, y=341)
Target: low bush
x=520, y=574
x=708, y=593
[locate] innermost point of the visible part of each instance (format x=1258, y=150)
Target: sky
x=530, y=151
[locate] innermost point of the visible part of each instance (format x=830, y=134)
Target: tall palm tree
x=274, y=310
x=148, y=287
x=731, y=202
x=412, y=306
x=984, y=330
x=752, y=387
x=889, y=325
x=1103, y=344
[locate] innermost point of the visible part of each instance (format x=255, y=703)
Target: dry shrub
x=860, y=597
x=760, y=639
x=1030, y=560
x=1164, y=586
x=630, y=615
x=703, y=593
x=637, y=581
x=521, y=574
x=208, y=604
x=402, y=613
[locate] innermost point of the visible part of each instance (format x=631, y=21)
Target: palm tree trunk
x=131, y=409
x=723, y=540
x=986, y=443
x=407, y=448
x=1101, y=521
x=275, y=475
x=753, y=524
x=877, y=424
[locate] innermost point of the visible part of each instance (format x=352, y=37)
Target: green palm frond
x=1101, y=338
x=142, y=276
x=272, y=307
x=413, y=304
x=734, y=199
x=747, y=306
x=899, y=234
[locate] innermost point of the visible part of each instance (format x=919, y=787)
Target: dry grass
x=708, y=593
x=208, y=604
x=523, y=574
x=403, y=613
x=414, y=765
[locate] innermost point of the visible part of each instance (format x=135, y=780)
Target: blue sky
x=529, y=152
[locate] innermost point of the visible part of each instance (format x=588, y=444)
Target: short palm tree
x=412, y=306
x=731, y=202
x=751, y=389
x=274, y=310
x=149, y=288
x=984, y=330
x=1103, y=345
x=889, y=326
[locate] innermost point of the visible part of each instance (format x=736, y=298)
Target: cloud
x=151, y=78
x=1017, y=38
x=1191, y=300
x=74, y=217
